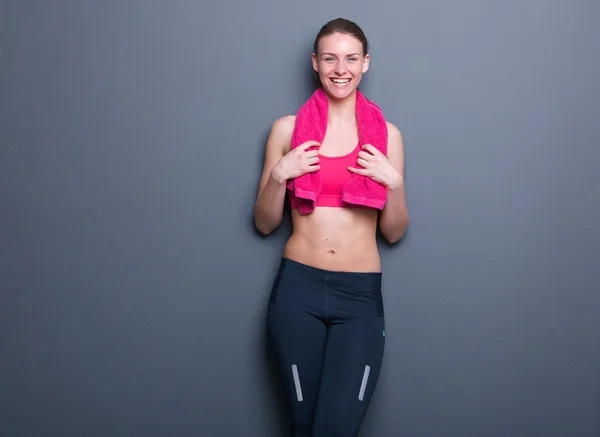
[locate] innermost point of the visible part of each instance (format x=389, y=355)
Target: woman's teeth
x=341, y=81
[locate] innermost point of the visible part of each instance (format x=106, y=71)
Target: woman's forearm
x=268, y=209
x=394, y=217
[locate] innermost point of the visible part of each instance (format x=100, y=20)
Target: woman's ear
x=366, y=60
x=315, y=63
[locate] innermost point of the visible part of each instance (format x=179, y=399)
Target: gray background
x=134, y=285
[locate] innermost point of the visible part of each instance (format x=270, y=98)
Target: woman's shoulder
x=393, y=130
x=285, y=124
x=282, y=131
x=395, y=146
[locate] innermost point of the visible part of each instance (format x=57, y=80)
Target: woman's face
x=340, y=64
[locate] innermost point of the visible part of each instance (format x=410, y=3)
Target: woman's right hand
x=297, y=162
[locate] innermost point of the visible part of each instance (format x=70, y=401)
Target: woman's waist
x=335, y=238
x=334, y=254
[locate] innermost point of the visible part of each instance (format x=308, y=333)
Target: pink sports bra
x=334, y=175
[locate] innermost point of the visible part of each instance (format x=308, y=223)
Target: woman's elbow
x=263, y=228
x=393, y=236
x=263, y=224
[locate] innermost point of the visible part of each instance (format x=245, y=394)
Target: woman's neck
x=342, y=112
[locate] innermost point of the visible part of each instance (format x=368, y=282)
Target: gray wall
x=134, y=285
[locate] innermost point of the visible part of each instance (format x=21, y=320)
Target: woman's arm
x=394, y=218
x=268, y=209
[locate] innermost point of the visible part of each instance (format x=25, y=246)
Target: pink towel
x=311, y=124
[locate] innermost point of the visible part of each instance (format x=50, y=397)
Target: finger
x=312, y=153
x=371, y=149
x=360, y=171
x=364, y=155
x=313, y=168
x=308, y=144
x=362, y=162
x=312, y=161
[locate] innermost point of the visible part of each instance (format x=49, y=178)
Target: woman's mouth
x=339, y=81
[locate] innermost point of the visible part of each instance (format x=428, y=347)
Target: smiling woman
x=343, y=57
x=342, y=167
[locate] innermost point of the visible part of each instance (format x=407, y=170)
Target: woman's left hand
x=377, y=167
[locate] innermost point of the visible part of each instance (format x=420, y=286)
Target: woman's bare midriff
x=337, y=239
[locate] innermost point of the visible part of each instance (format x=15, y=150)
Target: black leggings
x=327, y=332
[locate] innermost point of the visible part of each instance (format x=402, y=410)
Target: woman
x=325, y=316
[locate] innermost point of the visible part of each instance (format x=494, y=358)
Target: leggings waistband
x=371, y=280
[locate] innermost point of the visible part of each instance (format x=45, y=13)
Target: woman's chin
x=340, y=92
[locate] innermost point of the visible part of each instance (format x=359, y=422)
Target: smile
x=340, y=81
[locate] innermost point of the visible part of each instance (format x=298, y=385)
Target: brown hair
x=342, y=25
